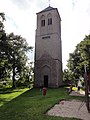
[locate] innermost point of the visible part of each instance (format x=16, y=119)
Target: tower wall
x=48, y=51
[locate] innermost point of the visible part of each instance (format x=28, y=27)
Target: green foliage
x=3, y=57
x=68, y=77
x=18, y=58
x=79, y=58
x=13, y=55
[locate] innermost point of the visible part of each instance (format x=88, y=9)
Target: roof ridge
x=47, y=9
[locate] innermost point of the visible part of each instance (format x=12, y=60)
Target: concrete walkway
x=71, y=108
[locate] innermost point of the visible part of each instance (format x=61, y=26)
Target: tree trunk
x=13, y=77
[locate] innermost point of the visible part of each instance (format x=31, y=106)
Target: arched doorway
x=45, y=80
x=45, y=75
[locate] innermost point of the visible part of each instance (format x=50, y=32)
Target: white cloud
x=75, y=15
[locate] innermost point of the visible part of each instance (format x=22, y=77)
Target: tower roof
x=47, y=9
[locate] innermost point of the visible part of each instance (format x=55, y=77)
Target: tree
x=3, y=57
x=13, y=54
x=17, y=55
x=80, y=57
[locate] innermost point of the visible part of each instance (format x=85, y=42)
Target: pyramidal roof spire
x=47, y=9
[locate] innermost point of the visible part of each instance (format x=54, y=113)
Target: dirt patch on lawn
x=70, y=108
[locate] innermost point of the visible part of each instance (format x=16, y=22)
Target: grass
x=31, y=105
x=8, y=94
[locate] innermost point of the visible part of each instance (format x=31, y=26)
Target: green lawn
x=26, y=104
x=7, y=95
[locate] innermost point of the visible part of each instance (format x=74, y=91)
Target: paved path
x=71, y=108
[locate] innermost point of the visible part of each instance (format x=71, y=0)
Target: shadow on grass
x=31, y=94
x=7, y=90
x=3, y=100
x=9, y=94
x=34, y=93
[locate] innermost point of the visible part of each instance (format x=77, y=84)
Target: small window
x=49, y=21
x=42, y=23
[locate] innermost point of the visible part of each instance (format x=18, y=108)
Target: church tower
x=48, y=49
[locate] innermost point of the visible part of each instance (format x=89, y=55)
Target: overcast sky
x=75, y=15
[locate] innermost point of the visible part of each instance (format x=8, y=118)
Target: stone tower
x=48, y=49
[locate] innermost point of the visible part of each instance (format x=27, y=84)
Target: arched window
x=42, y=21
x=49, y=19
